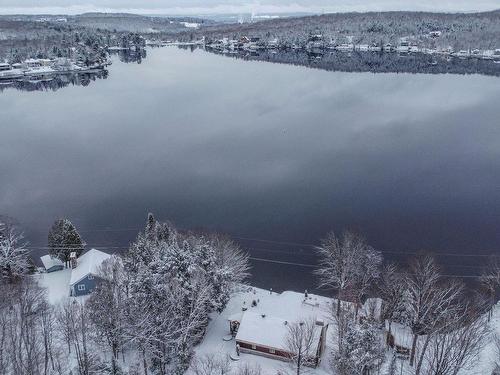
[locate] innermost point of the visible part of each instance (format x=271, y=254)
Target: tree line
x=152, y=306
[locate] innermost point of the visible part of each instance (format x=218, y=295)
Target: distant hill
x=136, y=23
x=459, y=30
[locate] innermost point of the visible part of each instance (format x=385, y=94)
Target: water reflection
x=130, y=56
x=374, y=62
x=259, y=151
x=55, y=82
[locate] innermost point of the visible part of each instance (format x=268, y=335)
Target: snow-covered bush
x=361, y=351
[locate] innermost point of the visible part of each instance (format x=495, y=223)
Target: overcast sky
x=239, y=6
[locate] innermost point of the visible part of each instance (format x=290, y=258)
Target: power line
x=437, y=254
x=283, y=262
x=315, y=266
x=264, y=260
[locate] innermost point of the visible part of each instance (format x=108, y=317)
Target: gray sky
x=239, y=6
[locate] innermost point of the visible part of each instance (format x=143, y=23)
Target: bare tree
x=490, y=280
x=367, y=272
x=347, y=263
x=13, y=253
x=211, y=364
x=458, y=349
x=247, y=369
x=23, y=340
x=431, y=300
x=300, y=344
x=392, y=292
x=74, y=320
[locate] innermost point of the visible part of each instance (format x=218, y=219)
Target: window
x=81, y=287
x=254, y=347
x=91, y=277
x=272, y=351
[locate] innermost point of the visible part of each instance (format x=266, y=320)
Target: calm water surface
x=261, y=151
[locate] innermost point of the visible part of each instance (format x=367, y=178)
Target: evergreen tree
x=361, y=351
x=63, y=239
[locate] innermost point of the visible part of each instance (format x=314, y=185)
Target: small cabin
x=85, y=272
x=265, y=335
x=51, y=264
x=263, y=326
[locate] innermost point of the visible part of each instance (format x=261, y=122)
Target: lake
x=274, y=155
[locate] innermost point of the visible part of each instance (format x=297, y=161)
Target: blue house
x=51, y=264
x=85, y=271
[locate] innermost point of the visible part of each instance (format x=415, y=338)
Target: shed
x=51, y=264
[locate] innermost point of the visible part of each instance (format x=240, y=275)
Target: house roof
x=88, y=263
x=289, y=307
x=269, y=331
x=49, y=262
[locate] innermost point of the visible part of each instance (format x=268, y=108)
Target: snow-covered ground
x=56, y=283
x=490, y=354
x=282, y=305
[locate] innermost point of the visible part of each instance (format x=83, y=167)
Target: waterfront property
x=263, y=328
x=85, y=271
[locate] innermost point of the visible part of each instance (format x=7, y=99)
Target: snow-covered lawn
x=285, y=306
x=56, y=283
x=489, y=354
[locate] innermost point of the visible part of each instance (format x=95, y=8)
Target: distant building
x=85, y=270
x=51, y=264
x=4, y=66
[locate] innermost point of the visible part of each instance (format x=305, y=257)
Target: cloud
x=199, y=7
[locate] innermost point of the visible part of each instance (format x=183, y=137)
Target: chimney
x=73, y=259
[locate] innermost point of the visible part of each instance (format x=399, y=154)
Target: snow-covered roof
x=49, y=262
x=88, y=263
x=268, y=331
x=290, y=307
